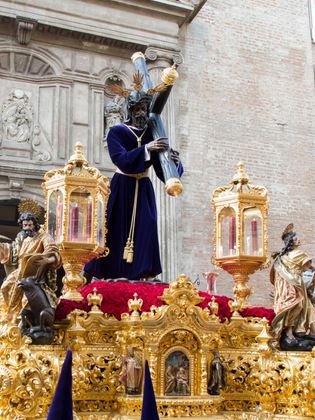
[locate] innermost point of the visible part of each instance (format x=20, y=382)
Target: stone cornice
x=131, y=24
x=32, y=171
x=87, y=37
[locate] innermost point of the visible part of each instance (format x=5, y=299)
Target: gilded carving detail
x=179, y=338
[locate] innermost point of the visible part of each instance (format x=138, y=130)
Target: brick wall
x=246, y=93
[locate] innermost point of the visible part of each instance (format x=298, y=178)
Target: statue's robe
x=131, y=375
x=22, y=253
x=292, y=306
x=170, y=380
x=130, y=159
x=217, y=378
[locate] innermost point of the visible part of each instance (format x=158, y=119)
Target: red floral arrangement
x=116, y=296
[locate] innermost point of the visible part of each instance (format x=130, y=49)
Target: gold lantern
x=240, y=248
x=76, y=198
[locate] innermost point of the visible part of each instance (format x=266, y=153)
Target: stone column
x=157, y=60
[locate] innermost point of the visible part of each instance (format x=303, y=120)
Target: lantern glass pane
x=100, y=222
x=55, y=215
x=252, y=232
x=80, y=216
x=227, y=233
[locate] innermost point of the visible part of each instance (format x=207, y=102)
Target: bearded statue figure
x=131, y=210
x=294, y=324
x=33, y=253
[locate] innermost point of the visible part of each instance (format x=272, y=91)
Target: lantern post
x=240, y=238
x=76, y=198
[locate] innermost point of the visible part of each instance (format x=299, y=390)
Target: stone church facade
x=245, y=92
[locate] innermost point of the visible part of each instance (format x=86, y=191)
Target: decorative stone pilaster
x=157, y=59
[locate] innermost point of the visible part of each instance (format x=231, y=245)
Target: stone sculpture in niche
x=114, y=109
x=114, y=114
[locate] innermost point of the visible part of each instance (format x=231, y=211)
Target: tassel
x=126, y=249
x=130, y=253
x=130, y=257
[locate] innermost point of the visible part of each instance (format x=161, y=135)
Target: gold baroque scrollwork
x=182, y=337
x=188, y=407
x=104, y=372
x=96, y=406
x=27, y=383
x=7, y=377
x=239, y=370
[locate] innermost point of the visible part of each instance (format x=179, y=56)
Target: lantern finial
x=240, y=177
x=78, y=157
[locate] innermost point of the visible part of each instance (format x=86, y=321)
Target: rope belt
x=128, y=250
x=140, y=175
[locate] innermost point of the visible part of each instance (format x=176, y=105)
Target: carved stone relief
x=42, y=150
x=17, y=118
x=20, y=135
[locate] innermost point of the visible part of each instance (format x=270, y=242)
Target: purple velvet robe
x=130, y=159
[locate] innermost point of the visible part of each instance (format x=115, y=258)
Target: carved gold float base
x=261, y=383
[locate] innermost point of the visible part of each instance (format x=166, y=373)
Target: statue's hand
x=41, y=263
x=175, y=157
x=158, y=145
x=308, y=266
